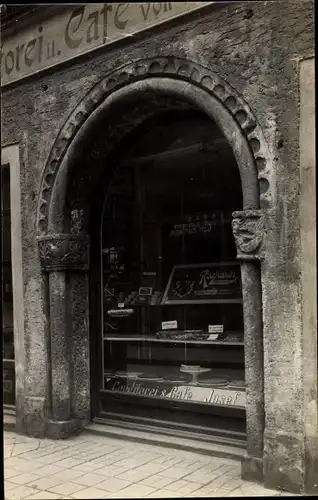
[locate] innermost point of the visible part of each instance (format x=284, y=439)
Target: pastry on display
x=177, y=379
x=183, y=335
x=231, y=337
x=128, y=375
x=150, y=378
x=237, y=384
x=120, y=313
x=213, y=382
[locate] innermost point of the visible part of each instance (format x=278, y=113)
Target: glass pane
x=6, y=238
x=172, y=298
x=6, y=284
x=8, y=343
x=9, y=386
x=5, y=188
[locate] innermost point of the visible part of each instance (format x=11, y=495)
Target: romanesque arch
x=62, y=253
x=179, y=77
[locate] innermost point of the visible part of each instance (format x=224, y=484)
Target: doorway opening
x=170, y=333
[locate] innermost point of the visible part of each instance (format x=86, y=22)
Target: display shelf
x=186, y=302
x=127, y=338
x=203, y=301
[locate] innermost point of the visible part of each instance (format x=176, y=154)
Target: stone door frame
x=64, y=242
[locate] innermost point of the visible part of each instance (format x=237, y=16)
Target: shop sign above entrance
x=79, y=30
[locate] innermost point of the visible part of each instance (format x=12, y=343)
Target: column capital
x=61, y=252
x=249, y=229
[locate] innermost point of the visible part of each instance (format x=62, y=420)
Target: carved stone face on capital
x=248, y=231
x=61, y=252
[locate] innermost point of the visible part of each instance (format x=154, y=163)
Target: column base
x=286, y=466
x=57, y=429
x=311, y=475
x=33, y=420
x=252, y=469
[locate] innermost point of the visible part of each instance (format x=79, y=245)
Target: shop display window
x=6, y=291
x=172, y=326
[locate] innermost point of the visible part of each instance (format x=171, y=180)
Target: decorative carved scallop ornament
x=176, y=68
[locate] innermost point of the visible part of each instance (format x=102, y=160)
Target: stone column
x=248, y=230
x=62, y=255
x=290, y=314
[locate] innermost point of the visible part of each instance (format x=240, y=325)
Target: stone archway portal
x=61, y=252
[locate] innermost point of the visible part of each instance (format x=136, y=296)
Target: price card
x=121, y=305
x=216, y=328
x=169, y=325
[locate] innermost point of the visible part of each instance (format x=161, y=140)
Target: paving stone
x=99, y=462
x=8, y=439
x=208, y=493
x=286, y=494
x=183, y=487
x=212, y=466
x=133, y=476
x=113, y=484
x=89, y=479
x=89, y=494
x=135, y=491
x=234, y=472
x=109, y=460
x=69, y=474
x=8, y=485
x=193, y=466
x=49, y=470
x=24, y=465
x=111, y=471
x=164, y=494
x=16, y=463
x=175, y=472
x=66, y=488
x=47, y=459
x=162, y=458
x=257, y=490
x=218, y=482
x=202, y=476
x=10, y=472
x=235, y=493
x=69, y=462
x=152, y=468
x=85, y=468
x=25, y=478
x=157, y=481
x=35, y=455
x=121, y=469
x=45, y=483
x=232, y=484
x=131, y=462
x=19, y=449
x=20, y=493
x=45, y=495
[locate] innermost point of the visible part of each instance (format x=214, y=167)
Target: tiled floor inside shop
x=91, y=466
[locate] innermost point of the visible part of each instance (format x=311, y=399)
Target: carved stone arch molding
x=164, y=67
x=65, y=257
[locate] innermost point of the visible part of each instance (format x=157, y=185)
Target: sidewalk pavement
x=90, y=466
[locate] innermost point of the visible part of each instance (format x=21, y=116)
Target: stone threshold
x=218, y=447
